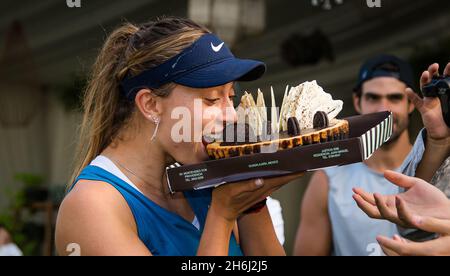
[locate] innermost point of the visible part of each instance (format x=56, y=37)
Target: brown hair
x=129, y=50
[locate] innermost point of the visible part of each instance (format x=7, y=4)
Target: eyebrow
x=388, y=95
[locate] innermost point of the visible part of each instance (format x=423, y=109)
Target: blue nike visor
x=208, y=62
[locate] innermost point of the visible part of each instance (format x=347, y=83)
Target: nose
x=384, y=105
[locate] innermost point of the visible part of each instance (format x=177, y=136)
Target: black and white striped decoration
x=377, y=136
x=173, y=166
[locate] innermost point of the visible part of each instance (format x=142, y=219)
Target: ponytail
x=128, y=50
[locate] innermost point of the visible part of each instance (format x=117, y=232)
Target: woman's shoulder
x=91, y=199
x=94, y=215
x=93, y=196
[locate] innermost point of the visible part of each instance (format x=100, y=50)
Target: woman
x=120, y=203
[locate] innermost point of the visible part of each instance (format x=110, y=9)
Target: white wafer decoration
x=302, y=102
x=274, y=114
x=283, y=111
x=251, y=114
x=261, y=104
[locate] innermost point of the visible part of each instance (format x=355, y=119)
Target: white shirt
x=10, y=250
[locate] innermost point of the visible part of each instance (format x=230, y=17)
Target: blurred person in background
x=7, y=247
x=422, y=205
x=331, y=223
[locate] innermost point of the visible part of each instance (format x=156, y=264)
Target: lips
x=207, y=140
x=211, y=138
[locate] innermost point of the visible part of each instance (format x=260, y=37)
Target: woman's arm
x=257, y=234
x=215, y=239
x=93, y=225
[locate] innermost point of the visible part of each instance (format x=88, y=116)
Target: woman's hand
x=420, y=198
x=430, y=108
x=232, y=200
x=228, y=203
x=398, y=246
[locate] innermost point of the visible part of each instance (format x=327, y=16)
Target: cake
x=307, y=116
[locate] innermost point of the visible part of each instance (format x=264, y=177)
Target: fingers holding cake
x=233, y=200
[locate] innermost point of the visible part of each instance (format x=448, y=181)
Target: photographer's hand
x=437, y=147
x=430, y=108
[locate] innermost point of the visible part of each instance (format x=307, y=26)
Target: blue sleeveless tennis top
x=163, y=232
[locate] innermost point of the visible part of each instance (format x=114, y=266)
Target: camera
x=440, y=88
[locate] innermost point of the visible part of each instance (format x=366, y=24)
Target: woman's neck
x=143, y=161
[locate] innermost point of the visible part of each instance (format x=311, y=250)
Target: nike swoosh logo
x=218, y=47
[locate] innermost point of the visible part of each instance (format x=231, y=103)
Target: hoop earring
x=156, y=121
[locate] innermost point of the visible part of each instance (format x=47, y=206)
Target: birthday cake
x=307, y=116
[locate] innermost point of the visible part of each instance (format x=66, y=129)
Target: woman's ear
x=148, y=103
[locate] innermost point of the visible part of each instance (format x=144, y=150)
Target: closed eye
x=213, y=100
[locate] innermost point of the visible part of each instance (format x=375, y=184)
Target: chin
x=194, y=156
x=192, y=160
x=199, y=157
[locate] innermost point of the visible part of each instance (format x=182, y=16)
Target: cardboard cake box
x=367, y=134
